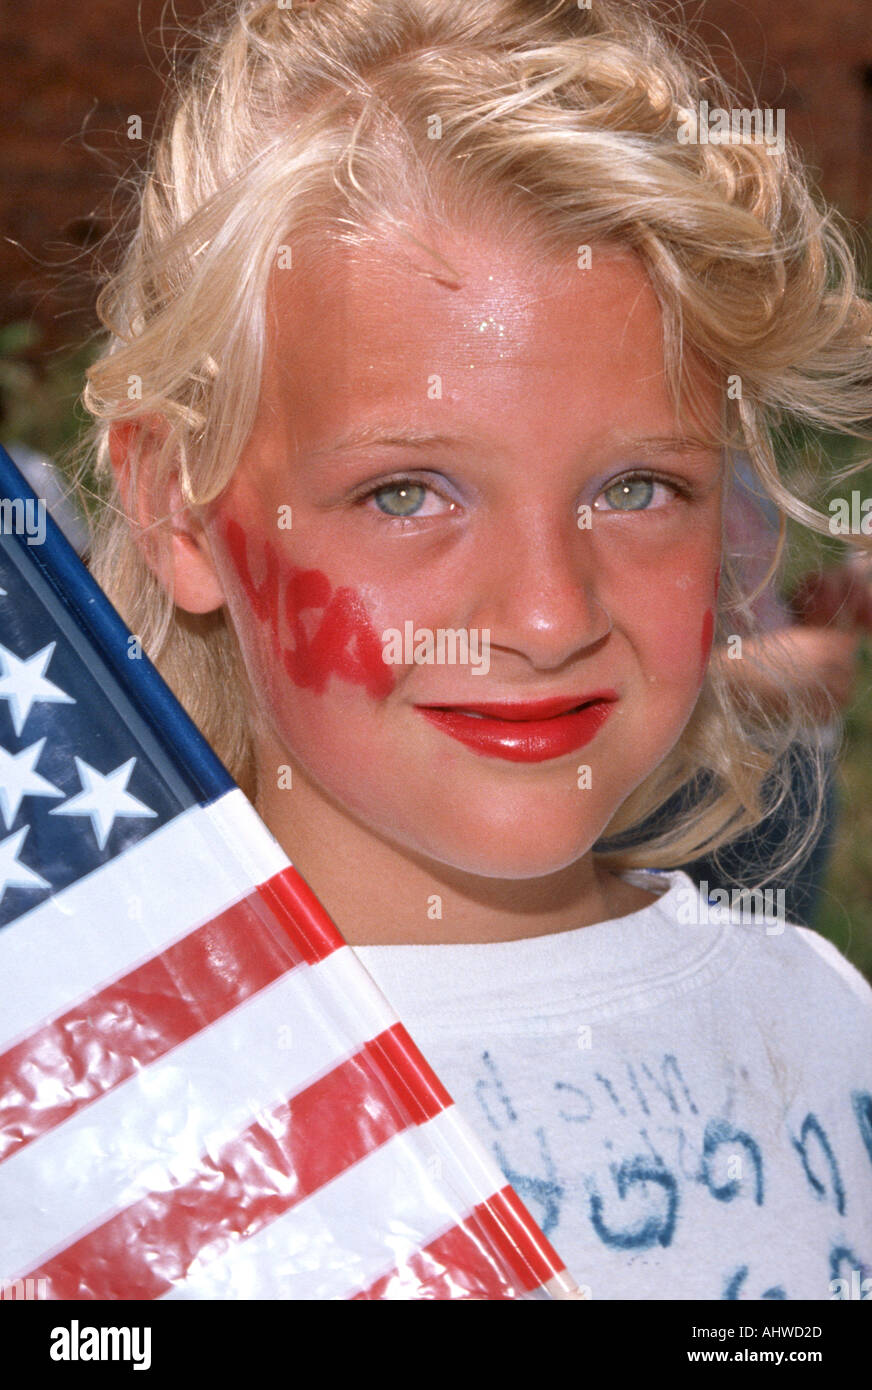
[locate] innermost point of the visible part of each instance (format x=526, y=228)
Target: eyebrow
x=396, y=438
x=674, y=444
x=377, y=435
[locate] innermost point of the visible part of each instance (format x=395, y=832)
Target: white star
x=19, y=779
x=23, y=682
x=9, y=878
x=104, y=797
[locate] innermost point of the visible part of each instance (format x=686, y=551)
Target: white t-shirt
x=684, y=1103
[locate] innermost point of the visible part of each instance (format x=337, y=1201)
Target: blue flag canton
x=82, y=775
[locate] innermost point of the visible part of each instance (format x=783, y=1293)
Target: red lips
x=525, y=731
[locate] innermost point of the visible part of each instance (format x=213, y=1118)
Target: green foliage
x=40, y=404
x=846, y=909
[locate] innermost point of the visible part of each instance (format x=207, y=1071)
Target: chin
x=520, y=852
x=501, y=832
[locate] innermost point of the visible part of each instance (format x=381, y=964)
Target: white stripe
x=130, y=909
x=355, y=1229
x=242, y=832
x=352, y=1000
x=148, y=1134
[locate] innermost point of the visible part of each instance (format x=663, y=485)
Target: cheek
x=309, y=630
x=708, y=632
x=677, y=634
x=672, y=620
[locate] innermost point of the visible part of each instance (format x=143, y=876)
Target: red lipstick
x=530, y=731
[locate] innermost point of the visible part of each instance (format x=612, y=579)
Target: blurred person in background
x=817, y=632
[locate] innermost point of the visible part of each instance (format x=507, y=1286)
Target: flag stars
x=23, y=683
x=104, y=796
x=19, y=778
x=13, y=874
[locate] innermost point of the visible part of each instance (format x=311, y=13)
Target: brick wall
x=73, y=75
x=814, y=59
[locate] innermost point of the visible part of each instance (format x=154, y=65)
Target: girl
x=428, y=362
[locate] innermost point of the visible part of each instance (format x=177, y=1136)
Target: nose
x=539, y=592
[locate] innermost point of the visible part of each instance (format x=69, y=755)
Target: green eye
x=400, y=499
x=630, y=494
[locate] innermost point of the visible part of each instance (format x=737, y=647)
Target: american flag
x=202, y=1092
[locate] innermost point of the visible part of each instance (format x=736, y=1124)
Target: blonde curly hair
x=321, y=117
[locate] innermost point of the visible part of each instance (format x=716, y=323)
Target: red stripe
x=464, y=1263
x=411, y=1077
x=293, y=903
x=534, y=1260
x=269, y=1168
x=138, y=1018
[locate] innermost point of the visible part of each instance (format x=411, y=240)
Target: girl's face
x=495, y=457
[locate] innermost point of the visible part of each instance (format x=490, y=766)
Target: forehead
x=488, y=323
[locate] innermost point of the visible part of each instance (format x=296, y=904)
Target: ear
x=181, y=557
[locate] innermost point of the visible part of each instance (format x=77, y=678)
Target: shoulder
x=837, y=965
x=819, y=980
x=780, y=959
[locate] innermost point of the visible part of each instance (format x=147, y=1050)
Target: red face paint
x=343, y=643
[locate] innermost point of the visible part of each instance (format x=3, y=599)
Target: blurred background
x=75, y=82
